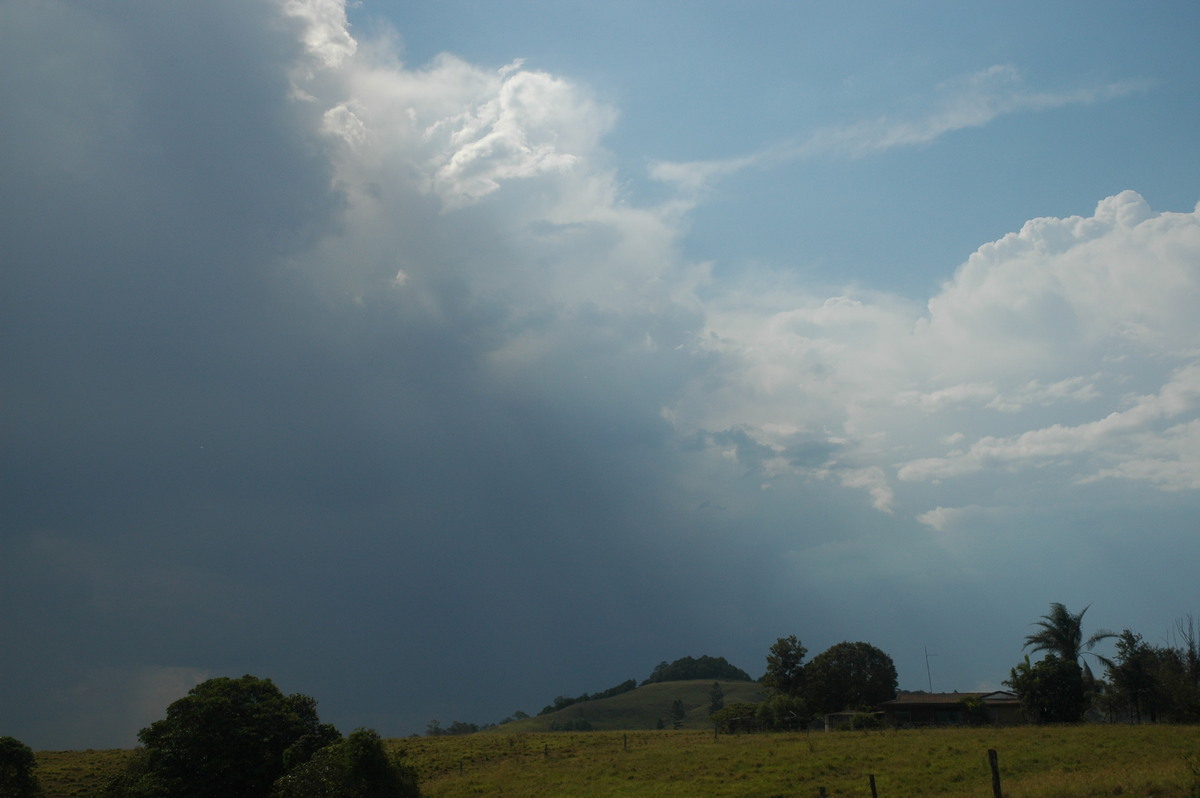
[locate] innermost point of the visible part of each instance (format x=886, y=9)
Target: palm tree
x=1062, y=635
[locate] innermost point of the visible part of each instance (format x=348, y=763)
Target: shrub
x=357, y=767
x=17, y=779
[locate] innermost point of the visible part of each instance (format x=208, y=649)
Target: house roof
x=1000, y=696
x=942, y=699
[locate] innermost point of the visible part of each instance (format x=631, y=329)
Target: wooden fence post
x=874, y=794
x=994, y=763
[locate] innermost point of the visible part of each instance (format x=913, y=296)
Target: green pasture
x=1035, y=762
x=1038, y=762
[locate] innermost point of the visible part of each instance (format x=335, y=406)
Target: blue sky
x=505, y=350
x=703, y=81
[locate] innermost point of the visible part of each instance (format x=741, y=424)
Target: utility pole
x=929, y=673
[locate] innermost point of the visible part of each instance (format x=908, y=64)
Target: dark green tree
x=1132, y=676
x=1156, y=683
x=1051, y=691
x=1185, y=697
x=785, y=666
x=17, y=766
x=1061, y=633
x=736, y=718
x=849, y=676
x=678, y=713
x=716, y=698
x=357, y=767
x=228, y=737
x=974, y=711
x=1175, y=696
x=782, y=712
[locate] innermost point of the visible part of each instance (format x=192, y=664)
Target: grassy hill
x=640, y=709
x=79, y=774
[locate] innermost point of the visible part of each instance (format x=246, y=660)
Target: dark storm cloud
x=208, y=466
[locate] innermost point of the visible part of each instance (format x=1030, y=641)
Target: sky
x=437, y=359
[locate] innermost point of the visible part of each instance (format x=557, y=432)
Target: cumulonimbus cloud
x=1061, y=319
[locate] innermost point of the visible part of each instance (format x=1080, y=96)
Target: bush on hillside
x=562, y=702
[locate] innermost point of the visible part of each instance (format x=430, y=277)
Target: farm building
x=999, y=708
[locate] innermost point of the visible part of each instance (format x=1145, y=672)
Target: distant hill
x=705, y=667
x=639, y=709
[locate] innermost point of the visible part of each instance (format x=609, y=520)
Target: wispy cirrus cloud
x=965, y=102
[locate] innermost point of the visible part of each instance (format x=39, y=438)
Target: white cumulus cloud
x=1070, y=342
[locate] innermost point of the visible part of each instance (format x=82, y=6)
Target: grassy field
x=1035, y=762
x=1041, y=762
x=78, y=774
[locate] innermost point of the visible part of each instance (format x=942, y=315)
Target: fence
x=993, y=764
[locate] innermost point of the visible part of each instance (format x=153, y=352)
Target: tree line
x=1143, y=682
x=853, y=677
x=243, y=738
x=562, y=702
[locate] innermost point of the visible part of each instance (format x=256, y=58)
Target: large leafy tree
x=17, y=765
x=1132, y=676
x=785, y=666
x=1051, y=691
x=227, y=737
x=1060, y=632
x=1153, y=682
x=849, y=676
